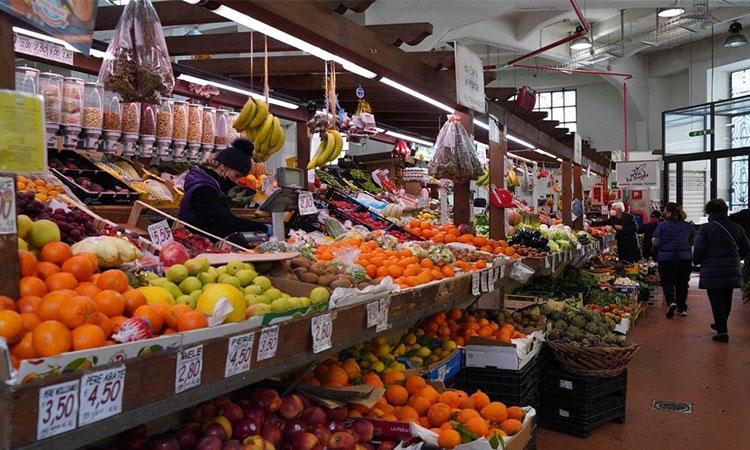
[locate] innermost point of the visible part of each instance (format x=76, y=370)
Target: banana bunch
x=484, y=180
x=329, y=149
x=512, y=179
x=261, y=127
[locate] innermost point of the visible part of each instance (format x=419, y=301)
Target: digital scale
x=284, y=199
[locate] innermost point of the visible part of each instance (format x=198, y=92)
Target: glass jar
x=209, y=125
x=51, y=87
x=131, y=117
x=179, y=120
x=221, y=127
x=72, y=105
x=195, y=123
x=112, y=112
x=27, y=79
x=93, y=114
x=164, y=124
x=148, y=119
x=232, y=134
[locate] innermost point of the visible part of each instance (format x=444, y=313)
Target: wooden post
x=578, y=193
x=567, y=190
x=462, y=199
x=303, y=148
x=497, y=177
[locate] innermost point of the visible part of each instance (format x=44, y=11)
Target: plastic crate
x=513, y=387
x=564, y=385
x=578, y=419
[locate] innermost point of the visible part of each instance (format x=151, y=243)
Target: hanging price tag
x=58, y=409
x=188, y=369
x=268, y=342
x=239, y=354
x=305, y=203
x=101, y=395
x=373, y=314
x=475, y=287
x=383, y=306
x=160, y=233
x=321, y=328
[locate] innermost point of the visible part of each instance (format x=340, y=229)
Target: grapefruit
x=215, y=293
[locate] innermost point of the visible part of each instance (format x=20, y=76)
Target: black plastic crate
x=513, y=387
x=562, y=384
x=579, y=419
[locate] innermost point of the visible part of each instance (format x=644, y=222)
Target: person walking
x=719, y=247
x=649, y=251
x=672, y=244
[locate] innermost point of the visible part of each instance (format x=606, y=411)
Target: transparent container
x=112, y=112
x=131, y=117
x=93, y=113
x=72, y=106
x=180, y=120
x=164, y=123
x=195, y=123
x=51, y=87
x=221, y=127
x=232, y=134
x=209, y=125
x=27, y=79
x=148, y=119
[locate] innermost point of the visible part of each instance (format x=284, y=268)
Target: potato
x=309, y=277
x=318, y=269
x=342, y=283
x=326, y=280
x=299, y=271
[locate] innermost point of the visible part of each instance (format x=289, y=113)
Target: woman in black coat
x=718, y=248
x=628, y=249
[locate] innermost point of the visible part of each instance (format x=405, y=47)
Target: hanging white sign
x=637, y=174
x=469, y=79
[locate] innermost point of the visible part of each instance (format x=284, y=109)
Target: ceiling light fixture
x=736, y=38
x=581, y=42
x=520, y=158
x=406, y=137
x=413, y=93
x=481, y=124
x=520, y=141
x=671, y=12
x=203, y=82
x=542, y=152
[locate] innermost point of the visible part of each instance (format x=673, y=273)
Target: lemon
x=400, y=350
x=449, y=345
x=410, y=339
x=423, y=352
x=378, y=366
x=433, y=358
x=383, y=350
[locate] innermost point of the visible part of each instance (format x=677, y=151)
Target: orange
x=45, y=268
x=516, y=412
x=152, y=315
x=352, y=369
x=11, y=326
x=174, y=313
x=450, y=398
x=111, y=303
x=52, y=338
x=393, y=376
x=467, y=403
x=511, y=426
x=478, y=426
x=191, y=320
x=7, y=303
x=424, y=422
x=93, y=259
x=408, y=414
x=395, y=271
x=420, y=404
x=389, y=418
x=28, y=304
x=27, y=263
x=495, y=412
x=372, y=379
x=78, y=311
x=56, y=252
x=88, y=289
x=25, y=348
x=113, y=279
x=480, y=400
x=61, y=280
x=479, y=241
x=414, y=384
x=336, y=377
x=466, y=414
x=80, y=267
x=133, y=299
x=447, y=271
x=438, y=414
x=30, y=321
x=430, y=394
x=116, y=322
x=88, y=336
x=449, y=439
x=102, y=321
x=396, y=394
x=31, y=286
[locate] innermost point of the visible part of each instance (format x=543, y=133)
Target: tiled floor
x=678, y=361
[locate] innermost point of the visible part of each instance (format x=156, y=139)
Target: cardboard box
x=482, y=352
x=447, y=368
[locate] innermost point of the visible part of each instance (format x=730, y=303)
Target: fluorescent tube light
x=202, y=82
x=416, y=94
x=520, y=141
x=380, y=130
x=481, y=124
x=542, y=152
x=275, y=33
x=671, y=12
x=406, y=137
x=521, y=158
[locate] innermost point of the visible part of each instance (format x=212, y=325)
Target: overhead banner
x=469, y=79
x=70, y=20
x=637, y=174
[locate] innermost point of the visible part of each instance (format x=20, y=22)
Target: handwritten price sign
x=305, y=204
x=101, y=395
x=321, y=328
x=268, y=343
x=42, y=49
x=188, y=369
x=239, y=354
x=160, y=233
x=58, y=409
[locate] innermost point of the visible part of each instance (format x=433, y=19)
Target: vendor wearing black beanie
x=206, y=204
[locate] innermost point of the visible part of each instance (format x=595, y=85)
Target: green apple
x=193, y=266
x=151, y=276
x=190, y=284
x=22, y=245
x=253, y=289
x=264, y=299
x=305, y=302
x=228, y=279
x=249, y=266
x=195, y=294
x=205, y=265
x=177, y=273
x=172, y=289
x=294, y=302
x=263, y=282
x=319, y=295
x=245, y=276
x=157, y=281
x=187, y=300
x=221, y=270
x=280, y=305
x=252, y=299
x=235, y=266
x=207, y=277
x=285, y=295
x=24, y=224
x=273, y=294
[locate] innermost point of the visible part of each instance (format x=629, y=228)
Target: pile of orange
x=448, y=233
x=451, y=414
x=43, y=190
x=459, y=327
x=334, y=374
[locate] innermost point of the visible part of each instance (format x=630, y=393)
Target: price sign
x=160, y=233
x=495, y=274
x=321, y=328
x=58, y=409
x=188, y=369
x=268, y=342
x=475, y=287
x=442, y=371
x=373, y=314
x=383, y=306
x=305, y=204
x=484, y=281
x=267, y=186
x=42, y=49
x=101, y=395
x=239, y=354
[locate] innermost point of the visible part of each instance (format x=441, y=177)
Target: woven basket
x=603, y=362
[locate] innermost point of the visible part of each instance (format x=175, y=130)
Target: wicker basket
x=603, y=362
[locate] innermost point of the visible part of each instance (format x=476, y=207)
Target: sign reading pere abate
x=469, y=79
x=637, y=174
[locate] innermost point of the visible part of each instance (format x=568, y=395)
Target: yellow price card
x=22, y=133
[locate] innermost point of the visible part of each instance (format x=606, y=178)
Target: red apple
x=254, y=413
x=335, y=426
x=246, y=427
x=342, y=440
x=364, y=446
x=291, y=406
x=304, y=441
x=186, y=436
x=173, y=253
x=339, y=413
x=387, y=445
x=293, y=427
x=164, y=442
x=323, y=434
x=232, y=444
x=209, y=443
x=136, y=442
x=216, y=429
x=268, y=399
x=222, y=400
x=204, y=411
x=363, y=429
x=232, y=411
x=314, y=415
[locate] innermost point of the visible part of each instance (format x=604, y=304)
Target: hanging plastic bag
x=455, y=155
x=137, y=64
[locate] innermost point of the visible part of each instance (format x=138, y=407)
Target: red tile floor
x=678, y=361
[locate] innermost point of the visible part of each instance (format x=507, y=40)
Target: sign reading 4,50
x=188, y=369
x=101, y=395
x=239, y=353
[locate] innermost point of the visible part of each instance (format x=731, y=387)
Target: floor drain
x=678, y=407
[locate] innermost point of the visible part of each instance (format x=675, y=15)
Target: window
x=739, y=86
x=560, y=106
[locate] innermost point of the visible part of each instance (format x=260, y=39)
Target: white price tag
x=442, y=370
x=160, y=233
x=43, y=49
x=321, y=328
x=565, y=384
x=305, y=203
x=383, y=306
x=373, y=314
x=58, y=409
x=484, y=281
x=475, y=288
x=267, y=186
x=101, y=395
x=496, y=274
x=268, y=343
x=188, y=369
x=239, y=354
x=563, y=412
